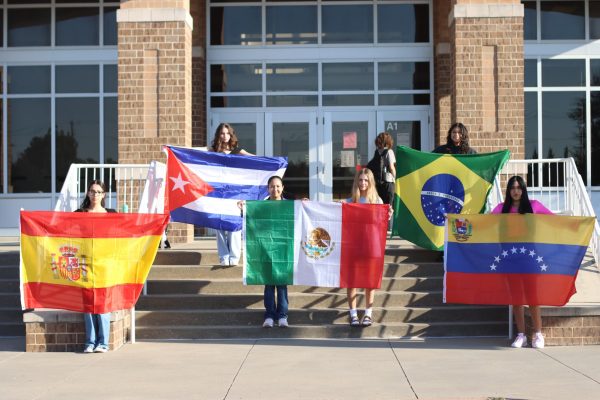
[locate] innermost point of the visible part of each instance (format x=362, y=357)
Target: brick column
x=199, y=123
x=442, y=70
x=486, y=57
x=155, y=83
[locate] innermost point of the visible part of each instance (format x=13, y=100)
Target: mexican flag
x=429, y=186
x=314, y=244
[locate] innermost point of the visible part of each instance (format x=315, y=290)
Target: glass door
x=293, y=135
x=408, y=128
x=347, y=144
x=249, y=129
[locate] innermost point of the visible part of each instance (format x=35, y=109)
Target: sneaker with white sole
x=283, y=323
x=520, y=341
x=89, y=348
x=101, y=349
x=538, y=341
x=268, y=323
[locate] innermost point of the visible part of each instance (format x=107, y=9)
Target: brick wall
x=58, y=330
x=442, y=71
x=155, y=83
x=569, y=325
x=485, y=73
x=199, y=89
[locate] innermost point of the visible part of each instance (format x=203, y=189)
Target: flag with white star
x=529, y=259
x=203, y=188
x=430, y=185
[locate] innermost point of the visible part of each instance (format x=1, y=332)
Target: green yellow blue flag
x=430, y=185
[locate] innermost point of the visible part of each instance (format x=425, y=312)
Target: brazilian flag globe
x=430, y=185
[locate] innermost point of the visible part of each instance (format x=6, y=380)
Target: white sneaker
x=268, y=323
x=101, y=349
x=520, y=341
x=538, y=341
x=89, y=348
x=283, y=323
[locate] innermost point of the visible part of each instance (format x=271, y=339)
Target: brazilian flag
x=429, y=186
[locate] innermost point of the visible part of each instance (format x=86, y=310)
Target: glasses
x=96, y=192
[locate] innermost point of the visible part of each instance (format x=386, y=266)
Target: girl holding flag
x=229, y=244
x=364, y=192
x=516, y=200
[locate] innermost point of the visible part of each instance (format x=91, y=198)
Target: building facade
x=98, y=81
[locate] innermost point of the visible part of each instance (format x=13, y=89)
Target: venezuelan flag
x=514, y=259
x=86, y=262
x=429, y=186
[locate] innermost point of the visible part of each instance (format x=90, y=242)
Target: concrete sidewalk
x=304, y=369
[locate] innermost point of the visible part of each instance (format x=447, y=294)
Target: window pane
x=1, y=33
x=30, y=79
x=594, y=19
x=111, y=143
x=347, y=24
x=403, y=76
x=77, y=134
x=595, y=102
x=530, y=21
x=1, y=147
x=290, y=139
x=292, y=101
x=563, y=119
x=246, y=134
x=235, y=101
x=236, y=78
x=348, y=100
x=530, y=73
x=292, y=77
x=403, y=99
x=77, y=26
x=291, y=24
x=563, y=20
x=531, y=126
x=403, y=23
x=235, y=26
x=28, y=1
x=77, y=79
x=563, y=72
x=29, y=27
x=110, y=26
x=345, y=159
x=348, y=76
x=110, y=78
x=30, y=143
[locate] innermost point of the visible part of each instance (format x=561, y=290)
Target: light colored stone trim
x=486, y=11
x=155, y=15
x=197, y=52
x=442, y=48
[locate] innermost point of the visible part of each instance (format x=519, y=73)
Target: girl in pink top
x=516, y=200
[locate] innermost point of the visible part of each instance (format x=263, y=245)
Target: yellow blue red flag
x=514, y=259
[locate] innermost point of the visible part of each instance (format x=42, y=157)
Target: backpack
x=378, y=167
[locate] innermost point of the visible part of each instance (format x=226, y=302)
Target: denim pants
x=97, y=329
x=229, y=245
x=281, y=309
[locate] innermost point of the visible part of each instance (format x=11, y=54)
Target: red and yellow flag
x=86, y=262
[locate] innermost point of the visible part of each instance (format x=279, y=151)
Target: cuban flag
x=203, y=188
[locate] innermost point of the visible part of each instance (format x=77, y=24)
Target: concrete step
x=9, y=286
x=253, y=317
x=235, y=286
x=390, y=270
x=9, y=271
x=339, y=331
x=9, y=258
x=405, y=254
x=317, y=299
x=12, y=329
x=12, y=315
x=10, y=300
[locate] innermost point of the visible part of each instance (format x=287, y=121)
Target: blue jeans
x=281, y=309
x=229, y=246
x=97, y=329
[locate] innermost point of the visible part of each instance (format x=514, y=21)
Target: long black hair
x=464, y=145
x=524, y=203
x=86, y=202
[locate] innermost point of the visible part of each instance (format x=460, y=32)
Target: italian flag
x=314, y=244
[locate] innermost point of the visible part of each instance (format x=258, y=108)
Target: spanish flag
x=86, y=262
x=429, y=186
x=516, y=259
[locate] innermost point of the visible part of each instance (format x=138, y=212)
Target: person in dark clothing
x=457, y=141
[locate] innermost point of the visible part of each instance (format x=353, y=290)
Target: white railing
x=556, y=183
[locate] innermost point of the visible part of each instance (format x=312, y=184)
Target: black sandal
x=354, y=322
x=367, y=321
